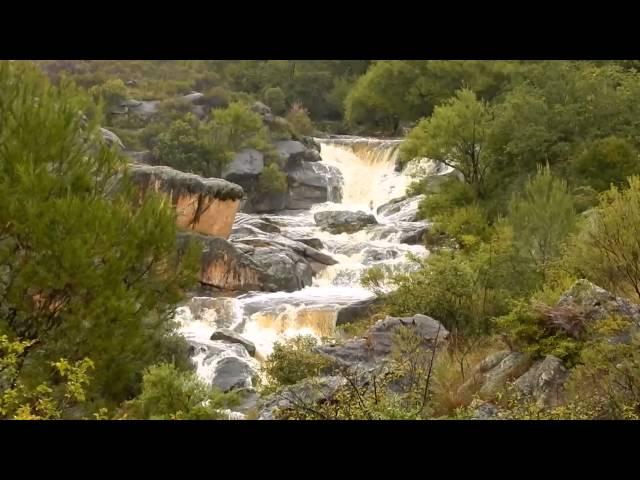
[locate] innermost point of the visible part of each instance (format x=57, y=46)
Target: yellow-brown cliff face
x=204, y=205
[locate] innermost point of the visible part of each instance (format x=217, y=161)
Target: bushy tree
x=293, y=361
x=455, y=135
x=606, y=250
x=542, y=217
x=171, y=394
x=605, y=162
x=87, y=268
x=275, y=99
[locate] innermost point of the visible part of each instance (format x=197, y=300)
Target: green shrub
x=272, y=180
x=298, y=118
x=171, y=394
x=274, y=99
x=293, y=361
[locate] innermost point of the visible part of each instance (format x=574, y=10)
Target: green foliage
x=47, y=400
x=274, y=98
x=206, y=148
x=456, y=135
x=607, y=381
x=298, y=118
x=605, y=162
x=293, y=361
x=527, y=328
x=112, y=92
x=236, y=127
x=468, y=225
x=171, y=394
x=542, y=217
x=186, y=146
x=606, y=250
x=87, y=268
x=272, y=180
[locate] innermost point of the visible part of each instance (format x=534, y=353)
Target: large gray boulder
x=310, y=183
x=291, y=151
x=111, y=138
x=356, y=311
x=410, y=233
x=595, y=303
x=544, y=381
x=226, y=335
x=492, y=374
x=401, y=209
x=374, y=347
x=217, y=311
x=232, y=373
x=248, y=162
x=306, y=393
x=343, y=221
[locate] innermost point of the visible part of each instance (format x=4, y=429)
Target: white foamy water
x=368, y=169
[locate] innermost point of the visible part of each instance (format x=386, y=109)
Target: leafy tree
x=606, y=249
x=455, y=135
x=186, y=146
x=378, y=96
x=87, y=268
x=206, y=148
x=542, y=218
x=605, y=162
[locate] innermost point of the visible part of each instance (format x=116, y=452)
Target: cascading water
x=370, y=179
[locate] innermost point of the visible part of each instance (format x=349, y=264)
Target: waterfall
x=363, y=171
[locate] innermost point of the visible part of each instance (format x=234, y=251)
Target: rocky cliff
x=204, y=205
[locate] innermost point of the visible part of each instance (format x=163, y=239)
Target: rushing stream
x=370, y=180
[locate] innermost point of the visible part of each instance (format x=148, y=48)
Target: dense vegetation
x=546, y=191
x=90, y=274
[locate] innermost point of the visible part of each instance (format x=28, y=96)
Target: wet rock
x=255, y=222
x=310, y=241
x=374, y=254
x=356, y=311
x=291, y=151
x=401, y=209
x=217, y=311
x=248, y=162
x=232, y=373
x=375, y=346
x=312, y=183
x=544, y=381
x=226, y=267
x=309, y=392
x=230, y=336
x=205, y=205
x=343, y=221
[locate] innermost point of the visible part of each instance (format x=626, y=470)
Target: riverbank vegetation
x=545, y=191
